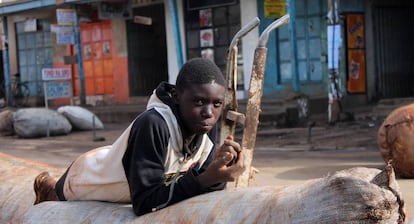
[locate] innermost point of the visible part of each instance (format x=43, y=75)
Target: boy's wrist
x=205, y=180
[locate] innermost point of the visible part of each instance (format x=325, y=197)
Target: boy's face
x=200, y=106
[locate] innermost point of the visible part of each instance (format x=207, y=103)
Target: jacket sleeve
x=143, y=163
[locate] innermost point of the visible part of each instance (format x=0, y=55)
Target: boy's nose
x=207, y=111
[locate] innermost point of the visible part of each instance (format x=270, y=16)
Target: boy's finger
x=228, y=157
x=233, y=144
x=240, y=159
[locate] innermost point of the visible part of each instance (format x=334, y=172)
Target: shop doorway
x=96, y=42
x=147, y=51
x=394, y=49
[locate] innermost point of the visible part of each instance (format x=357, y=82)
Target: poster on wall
x=356, y=72
x=205, y=18
x=206, y=38
x=87, y=51
x=208, y=53
x=334, y=45
x=106, y=48
x=355, y=31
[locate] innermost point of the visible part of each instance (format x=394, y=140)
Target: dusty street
x=283, y=156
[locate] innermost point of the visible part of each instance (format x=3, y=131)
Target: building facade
x=128, y=47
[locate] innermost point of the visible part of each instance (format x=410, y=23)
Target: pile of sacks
x=42, y=122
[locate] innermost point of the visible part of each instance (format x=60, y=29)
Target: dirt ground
x=316, y=133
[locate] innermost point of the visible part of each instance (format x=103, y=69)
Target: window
x=308, y=40
x=209, y=32
x=35, y=51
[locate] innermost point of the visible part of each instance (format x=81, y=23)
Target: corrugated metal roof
x=18, y=6
x=8, y=7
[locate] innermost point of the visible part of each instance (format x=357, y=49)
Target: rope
x=173, y=182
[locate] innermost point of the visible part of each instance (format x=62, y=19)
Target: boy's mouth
x=204, y=126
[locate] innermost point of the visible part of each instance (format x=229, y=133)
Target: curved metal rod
x=264, y=37
x=243, y=31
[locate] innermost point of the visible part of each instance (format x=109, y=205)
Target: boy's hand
x=228, y=164
x=229, y=151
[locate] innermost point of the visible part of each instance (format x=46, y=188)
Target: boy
x=165, y=156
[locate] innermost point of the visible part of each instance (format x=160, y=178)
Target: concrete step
x=274, y=112
x=385, y=106
x=118, y=113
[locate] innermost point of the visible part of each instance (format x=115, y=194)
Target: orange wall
x=121, y=86
x=120, y=61
x=120, y=66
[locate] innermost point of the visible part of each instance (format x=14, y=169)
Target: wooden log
x=357, y=195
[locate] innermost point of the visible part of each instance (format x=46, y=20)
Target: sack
x=6, y=123
x=39, y=122
x=395, y=140
x=80, y=118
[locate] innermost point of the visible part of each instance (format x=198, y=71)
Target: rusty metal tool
x=230, y=116
x=254, y=99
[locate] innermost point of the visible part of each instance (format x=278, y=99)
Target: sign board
x=70, y=59
x=66, y=17
x=64, y=34
x=197, y=4
x=30, y=25
x=56, y=90
x=65, y=38
x=274, y=8
x=49, y=74
x=355, y=50
x=143, y=20
x=114, y=10
x=140, y=3
x=57, y=83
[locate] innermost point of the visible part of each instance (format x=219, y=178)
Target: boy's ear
x=175, y=95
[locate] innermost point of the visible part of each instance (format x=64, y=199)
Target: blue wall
x=271, y=71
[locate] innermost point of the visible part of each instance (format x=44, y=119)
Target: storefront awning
x=9, y=7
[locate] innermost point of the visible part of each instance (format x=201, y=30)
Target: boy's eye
x=218, y=104
x=199, y=102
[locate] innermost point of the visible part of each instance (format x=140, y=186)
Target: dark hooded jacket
x=154, y=177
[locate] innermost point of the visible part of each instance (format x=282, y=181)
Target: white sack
x=357, y=195
x=39, y=122
x=80, y=118
x=6, y=123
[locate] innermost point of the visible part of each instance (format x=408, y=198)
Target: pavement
x=283, y=156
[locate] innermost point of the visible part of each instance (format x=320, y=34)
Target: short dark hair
x=199, y=71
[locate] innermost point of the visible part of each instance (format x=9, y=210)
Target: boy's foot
x=44, y=188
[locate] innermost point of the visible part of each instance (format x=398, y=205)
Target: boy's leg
x=44, y=188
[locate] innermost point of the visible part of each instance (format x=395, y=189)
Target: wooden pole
x=254, y=99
